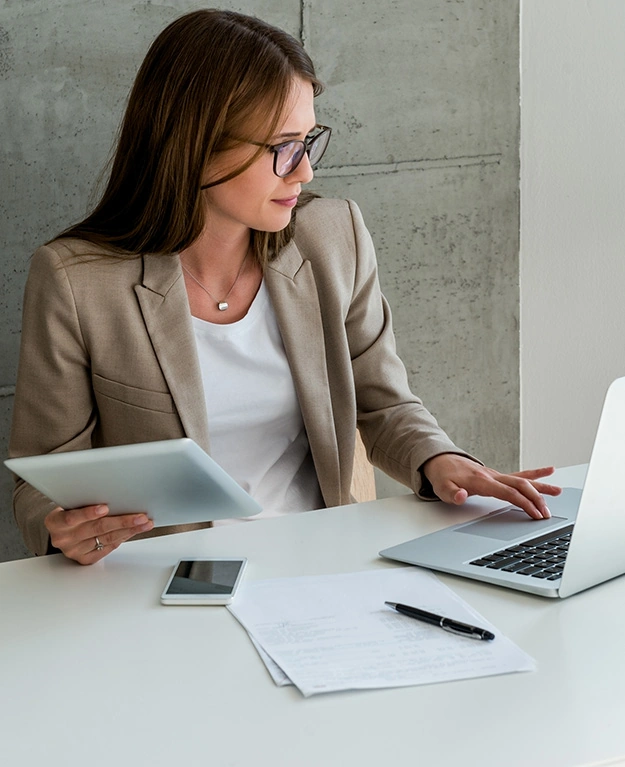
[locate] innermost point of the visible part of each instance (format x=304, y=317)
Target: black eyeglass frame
x=307, y=143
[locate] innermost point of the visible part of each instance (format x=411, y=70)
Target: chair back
x=363, y=478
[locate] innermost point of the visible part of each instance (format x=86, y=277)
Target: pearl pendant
x=222, y=306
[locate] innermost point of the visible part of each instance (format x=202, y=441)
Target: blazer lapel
x=293, y=291
x=165, y=308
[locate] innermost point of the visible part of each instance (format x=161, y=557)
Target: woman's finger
x=90, y=551
x=545, y=471
x=516, y=491
x=88, y=534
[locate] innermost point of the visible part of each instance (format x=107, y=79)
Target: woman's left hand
x=454, y=478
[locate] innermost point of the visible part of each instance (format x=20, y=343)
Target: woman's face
x=257, y=198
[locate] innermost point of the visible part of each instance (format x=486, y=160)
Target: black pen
x=455, y=627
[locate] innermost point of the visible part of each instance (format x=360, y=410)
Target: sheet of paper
x=334, y=632
x=276, y=673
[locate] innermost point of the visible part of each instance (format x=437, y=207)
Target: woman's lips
x=287, y=202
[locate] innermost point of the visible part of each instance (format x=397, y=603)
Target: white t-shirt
x=254, y=419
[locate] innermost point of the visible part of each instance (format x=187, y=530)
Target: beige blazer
x=108, y=357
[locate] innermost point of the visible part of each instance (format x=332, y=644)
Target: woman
x=194, y=300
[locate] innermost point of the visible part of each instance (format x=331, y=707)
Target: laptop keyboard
x=542, y=557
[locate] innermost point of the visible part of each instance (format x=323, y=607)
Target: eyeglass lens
x=288, y=156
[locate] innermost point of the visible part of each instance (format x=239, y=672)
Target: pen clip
x=460, y=629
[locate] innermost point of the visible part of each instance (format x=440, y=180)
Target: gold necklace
x=223, y=304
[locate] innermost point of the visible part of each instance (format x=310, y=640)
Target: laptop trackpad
x=509, y=524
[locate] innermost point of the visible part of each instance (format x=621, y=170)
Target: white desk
x=93, y=670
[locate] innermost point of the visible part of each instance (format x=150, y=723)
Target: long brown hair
x=209, y=76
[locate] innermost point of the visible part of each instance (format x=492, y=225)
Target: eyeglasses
x=288, y=155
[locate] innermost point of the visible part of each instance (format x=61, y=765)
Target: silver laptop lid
x=597, y=549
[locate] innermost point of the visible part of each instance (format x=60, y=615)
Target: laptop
x=174, y=481
x=582, y=545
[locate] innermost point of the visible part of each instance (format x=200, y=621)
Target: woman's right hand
x=88, y=534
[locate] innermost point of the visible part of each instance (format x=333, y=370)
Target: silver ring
x=98, y=546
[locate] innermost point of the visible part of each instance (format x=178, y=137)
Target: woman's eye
x=282, y=147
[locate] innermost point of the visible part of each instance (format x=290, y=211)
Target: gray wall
x=423, y=98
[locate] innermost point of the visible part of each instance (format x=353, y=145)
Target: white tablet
x=174, y=481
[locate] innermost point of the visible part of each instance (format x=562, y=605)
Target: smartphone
x=205, y=581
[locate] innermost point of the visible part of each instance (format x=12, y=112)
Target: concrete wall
x=572, y=222
x=423, y=97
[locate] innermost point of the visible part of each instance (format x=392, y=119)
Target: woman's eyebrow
x=293, y=134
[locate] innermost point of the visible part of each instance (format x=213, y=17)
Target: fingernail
x=546, y=513
x=148, y=526
x=141, y=520
x=101, y=510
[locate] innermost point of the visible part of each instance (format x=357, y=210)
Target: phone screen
x=213, y=577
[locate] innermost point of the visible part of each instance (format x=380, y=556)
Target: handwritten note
x=333, y=632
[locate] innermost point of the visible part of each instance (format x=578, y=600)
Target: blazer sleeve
x=400, y=434
x=54, y=408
